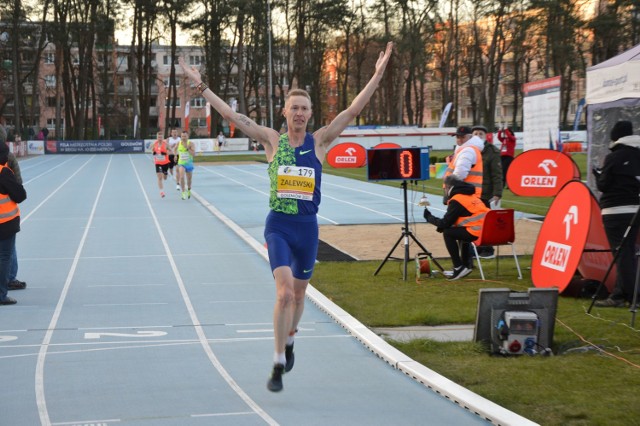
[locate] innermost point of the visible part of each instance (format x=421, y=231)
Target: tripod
x=406, y=233
x=627, y=234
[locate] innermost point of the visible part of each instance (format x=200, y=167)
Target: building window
x=175, y=124
x=198, y=102
x=166, y=82
x=196, y=60
x=198, y=122
x=123, y=63
x=175, y=101
x=51, y=101
x=50, y=80
x=51, y=123
x=49, y=58
x=166, y=60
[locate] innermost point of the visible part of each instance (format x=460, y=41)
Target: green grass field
x=592, y=379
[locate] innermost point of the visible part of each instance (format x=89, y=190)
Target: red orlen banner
x=387, y=145
x=347, y=155
x=571, y=228
x=541, y=173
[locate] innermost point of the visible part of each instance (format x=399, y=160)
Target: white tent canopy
x=613, y=94
x=615, y=78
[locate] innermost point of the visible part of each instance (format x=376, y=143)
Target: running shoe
x=11, y=301
x=460, y=272
x=189, y=194
x=17, y=285
x=275, y=382
x=290, y=357
x=611, y=303
x=162, y=194
x=184, y=195
x=177, y=187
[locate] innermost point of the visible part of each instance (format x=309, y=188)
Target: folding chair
x=498, y=230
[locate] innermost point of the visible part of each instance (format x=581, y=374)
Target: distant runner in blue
x=295, y=170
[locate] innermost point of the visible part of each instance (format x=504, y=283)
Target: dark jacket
x=454, y=208
x=9, y=185
x=617, y=178
x=12, y=162
x=491, y=172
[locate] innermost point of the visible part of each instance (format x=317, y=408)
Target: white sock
x=279, y=358
x=290, y=340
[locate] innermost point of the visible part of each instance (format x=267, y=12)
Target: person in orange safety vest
x=11, y=193
x=461, y=223
x=466, y=162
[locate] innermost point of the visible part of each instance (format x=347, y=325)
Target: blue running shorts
x=187, y=167
x=292, y=240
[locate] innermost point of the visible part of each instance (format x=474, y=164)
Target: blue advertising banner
x=95, y=147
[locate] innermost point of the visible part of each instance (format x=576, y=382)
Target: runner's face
x=184, y=136
x=298, y=112
x=174, y=133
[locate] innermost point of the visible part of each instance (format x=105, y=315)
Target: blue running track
x=142, y=310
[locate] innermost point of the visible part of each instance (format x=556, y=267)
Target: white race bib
x=296, y=182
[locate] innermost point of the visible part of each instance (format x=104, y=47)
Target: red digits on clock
x=406, y=164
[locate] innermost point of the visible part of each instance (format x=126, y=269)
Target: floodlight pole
x=406, y=233
x=269, y=66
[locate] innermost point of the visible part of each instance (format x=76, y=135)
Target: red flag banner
x=208, y=109
x=186, y=116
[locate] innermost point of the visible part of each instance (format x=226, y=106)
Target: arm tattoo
x=243, y=119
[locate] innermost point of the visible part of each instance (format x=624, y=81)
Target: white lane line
x=126, y=285
x=51, y=169
x=138, y=344
x=87, y=422
x=93, y=305
x=39, y=376
x=241, y=413
x=324, y=195
x=25, y=218
x=228, y=178
x=194, y=318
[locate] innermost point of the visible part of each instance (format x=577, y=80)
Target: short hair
x=452, y=180
x=297, y=92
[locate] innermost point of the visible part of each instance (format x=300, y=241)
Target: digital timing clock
x=398, y=164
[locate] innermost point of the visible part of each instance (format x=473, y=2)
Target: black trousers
x=615, y=225
x=459, y=253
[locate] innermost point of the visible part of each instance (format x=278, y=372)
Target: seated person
x=461, y=223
